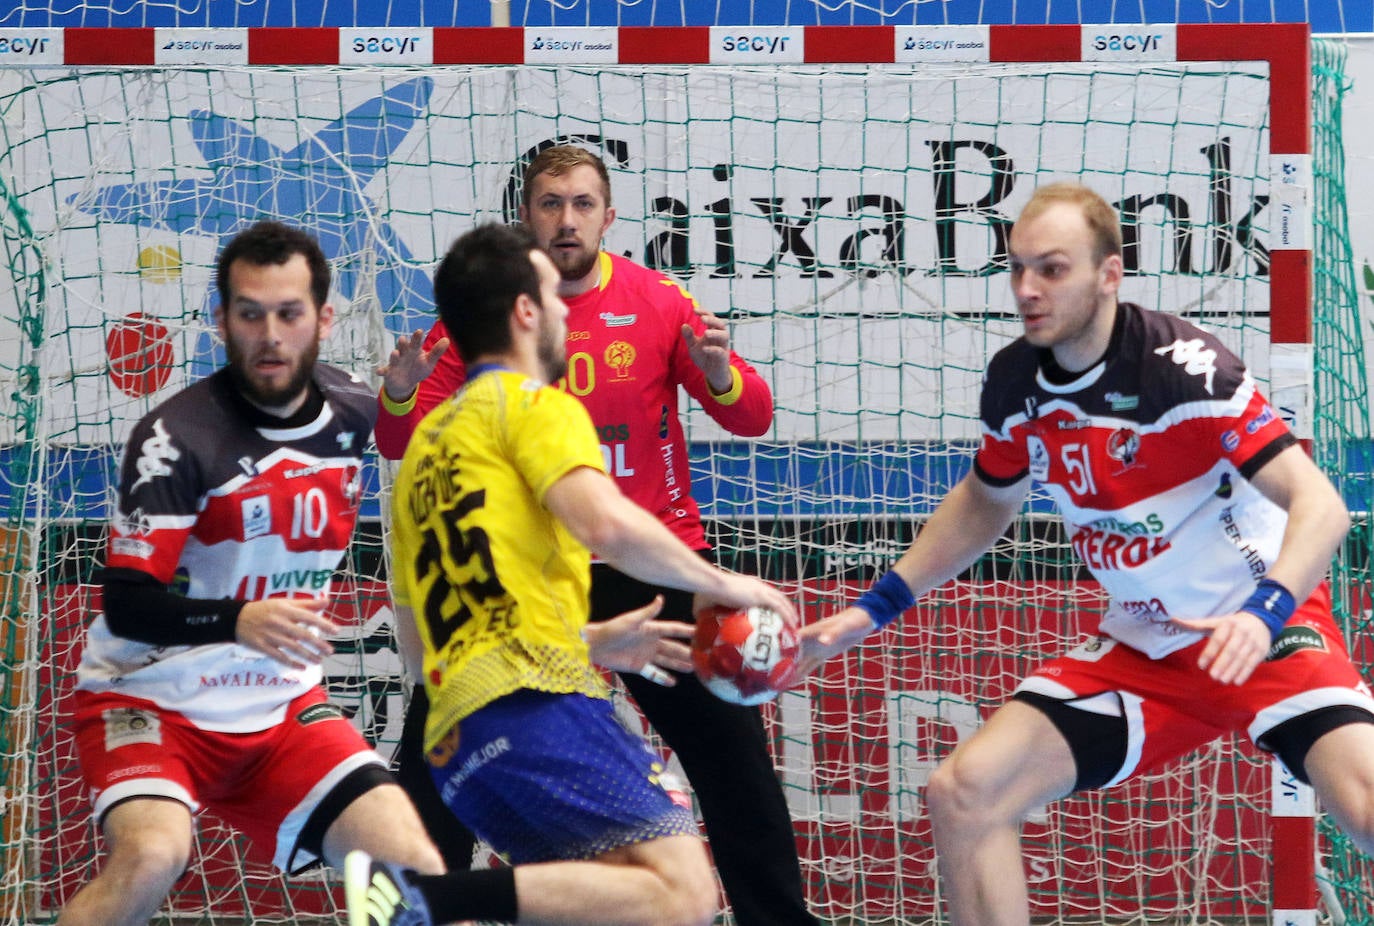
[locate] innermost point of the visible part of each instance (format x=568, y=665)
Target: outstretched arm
x=969, y=520
x=622, y=533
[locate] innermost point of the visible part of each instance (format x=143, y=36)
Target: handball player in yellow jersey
x=500, y=495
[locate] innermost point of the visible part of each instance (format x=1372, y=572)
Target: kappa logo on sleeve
x=1195, y=358
x=157, y=453
x=136, y=523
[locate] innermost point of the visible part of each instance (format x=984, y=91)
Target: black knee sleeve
x=1292, y=739
x=1097, y=741
x=350, y=788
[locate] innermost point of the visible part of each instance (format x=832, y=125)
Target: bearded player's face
x=569, y=216
x=552, y=347
x=272, y=331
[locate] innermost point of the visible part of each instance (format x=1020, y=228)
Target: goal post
x=842, y=195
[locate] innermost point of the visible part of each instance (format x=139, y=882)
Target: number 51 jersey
x=1148, y=455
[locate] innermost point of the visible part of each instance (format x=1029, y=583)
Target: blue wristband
x=886, y=599
x=1271, y=603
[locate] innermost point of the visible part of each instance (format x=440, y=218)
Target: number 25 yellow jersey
x=498, y=586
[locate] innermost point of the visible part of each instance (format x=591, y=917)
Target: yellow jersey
x=498, y=587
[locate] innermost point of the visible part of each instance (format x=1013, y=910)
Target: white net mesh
x=851, y=223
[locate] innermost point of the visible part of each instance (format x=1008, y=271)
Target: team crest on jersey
x=155, y=456
x=1123, y=445
x=257, y=516
x=129, y=726
x=1039, y=459
x=620, y=356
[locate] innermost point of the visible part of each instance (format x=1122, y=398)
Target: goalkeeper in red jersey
x=635, y=337
x=1193, y=505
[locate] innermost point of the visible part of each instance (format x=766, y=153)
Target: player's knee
x=1356, y=818
x=428, y=860
x=691, y=905
x=146, y=869
x=691, y=891
x=956, y=793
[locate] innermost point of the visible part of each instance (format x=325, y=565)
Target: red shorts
x=1172, y=707
x=265, y=784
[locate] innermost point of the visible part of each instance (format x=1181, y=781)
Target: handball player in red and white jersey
x=200, y=682
x=1191, y=502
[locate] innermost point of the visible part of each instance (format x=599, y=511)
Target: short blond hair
x=560, y=160
x=1101, y=218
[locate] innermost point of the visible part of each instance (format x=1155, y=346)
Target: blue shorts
x=541, y=777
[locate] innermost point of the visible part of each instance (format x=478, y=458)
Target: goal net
x=850, y=220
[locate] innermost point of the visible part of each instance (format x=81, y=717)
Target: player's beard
x=574, y=265
x=552, y=351
x=265, y=397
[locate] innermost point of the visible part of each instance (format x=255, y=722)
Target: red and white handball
x=745, y=655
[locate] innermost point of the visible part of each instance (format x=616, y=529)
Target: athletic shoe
x=378, y=894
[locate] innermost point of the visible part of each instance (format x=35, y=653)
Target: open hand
x=831, y=636
x=290, y=630
x=408, y=365
x=635, y=642
x=710, y=350
x=1236, y=644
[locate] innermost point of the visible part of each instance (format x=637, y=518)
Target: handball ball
x=744, y=656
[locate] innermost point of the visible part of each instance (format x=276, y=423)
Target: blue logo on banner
x=319, y=185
